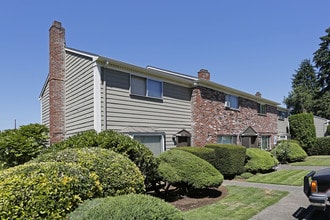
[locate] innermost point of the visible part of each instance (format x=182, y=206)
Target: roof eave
x=228, y=90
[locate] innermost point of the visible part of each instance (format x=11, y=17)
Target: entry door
x=249, y=141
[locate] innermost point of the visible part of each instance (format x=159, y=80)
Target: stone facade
x=211, y=118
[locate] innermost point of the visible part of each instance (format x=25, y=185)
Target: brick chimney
x=204, y=74
x=56, y=82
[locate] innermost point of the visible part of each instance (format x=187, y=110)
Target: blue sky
x=251, y=45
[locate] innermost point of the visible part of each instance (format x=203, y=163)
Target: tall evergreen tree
x=322, y=62
x=304, y=88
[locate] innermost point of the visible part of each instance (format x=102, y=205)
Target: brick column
x=56, y=82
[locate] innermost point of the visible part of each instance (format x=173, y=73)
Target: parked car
x=317, y=190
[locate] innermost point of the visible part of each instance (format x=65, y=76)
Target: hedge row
x=321, y=147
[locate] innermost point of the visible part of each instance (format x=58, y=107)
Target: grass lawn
x=314, y=161
x=281, y=177
x=241, y=203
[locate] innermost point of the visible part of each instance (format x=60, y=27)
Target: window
x=264, y=143
x=146, y=87
x=281, y=115
x=227, y=139
x=262, y=109
x=231, y=101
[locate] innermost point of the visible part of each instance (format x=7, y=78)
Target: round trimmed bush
x=205, y=153
x=48, y=190
x=180, y=168
x=289, y=151
x=120, y=143
x=118, y=175
x=134, y=150
x=126, y=207
x=259, y=161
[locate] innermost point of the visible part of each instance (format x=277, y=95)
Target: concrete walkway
x=284, y=209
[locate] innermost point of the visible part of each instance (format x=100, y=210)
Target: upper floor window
x=146, y=87
x=262, y=109
x=281, y=115
x=231, y=101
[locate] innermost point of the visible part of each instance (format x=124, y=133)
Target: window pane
x=138, y=85
x=152, y=142
x=155, y=88
x=227, y=139
x=233, y=100
x=264, y=142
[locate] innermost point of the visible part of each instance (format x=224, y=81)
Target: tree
x=322, y=62
x=321, y=106
x=304, y=88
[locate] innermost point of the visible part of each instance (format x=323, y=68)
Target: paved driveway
x=284, y=209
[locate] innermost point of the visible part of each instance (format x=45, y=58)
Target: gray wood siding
x=45, y=106
x=169, y=115
x=79, y=90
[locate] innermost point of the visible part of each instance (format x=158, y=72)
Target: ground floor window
x=264, y=142
x=153, y=142
x=227, y=139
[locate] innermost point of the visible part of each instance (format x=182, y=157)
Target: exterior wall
x=320, y=126
x=79, y=94
x=211, y=118
x=283, y=129
x=121, y=110
x=45, y=106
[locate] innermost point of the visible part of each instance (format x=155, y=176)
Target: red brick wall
x=211, y=118
x=56, y=82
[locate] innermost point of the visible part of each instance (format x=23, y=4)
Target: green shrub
x=230, y=158
x=134, y=150
x=120, y=143
x=207, y=154
x=328, y=130
x=117, y=174
x=126, y=207
x=21, y=145
x=302, y=129
x=45, y=190
x=183, y=169
x=83, y=139
x=321, y=147
x=259, y=161
x=289, y=151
